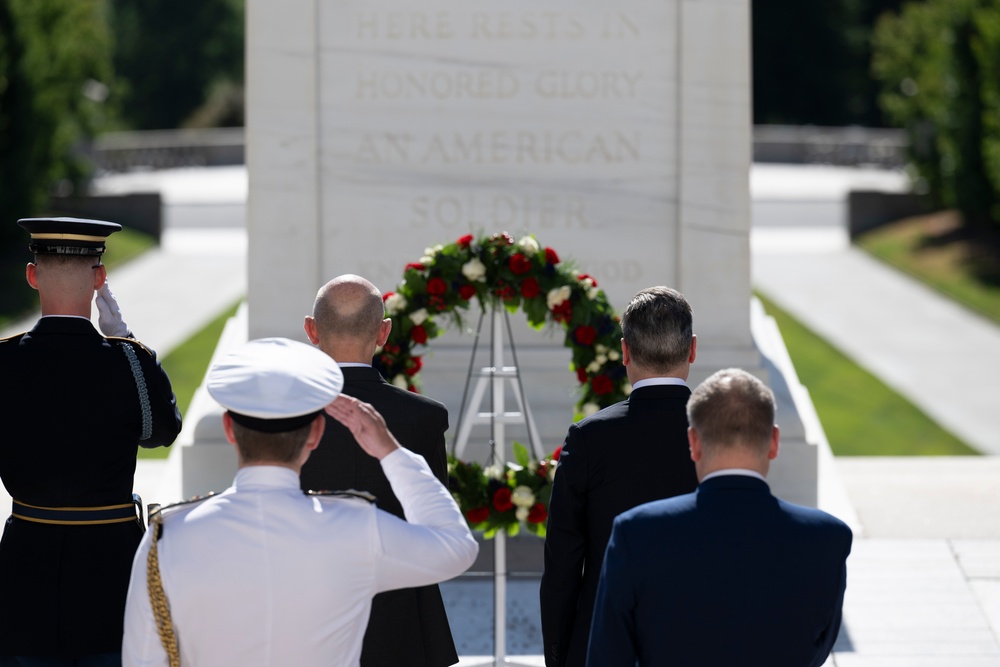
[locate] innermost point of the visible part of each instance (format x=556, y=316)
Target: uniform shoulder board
x=132, y=342
x=156, y=512
x=349, y=493
x=16, y=336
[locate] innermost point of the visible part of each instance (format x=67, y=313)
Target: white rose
x=557, y=295
x=590, y=408
x=395, y=304
x=552, y=472
x=528, y=245
x=522, y=497
x=427, y=260
x=613, y=355
x=522, y=513
x=627, y=389
x=400, y=381
x=600, y=349
x=592, y=293
x=474, y=270
x=601, y=359
x=494, y=472
x=419, y=316
x=593, y=367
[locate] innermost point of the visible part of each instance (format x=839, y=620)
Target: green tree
x=55, y=66
x=173, y=59
x=811, y=61
x=938, y=64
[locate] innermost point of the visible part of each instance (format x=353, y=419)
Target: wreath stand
x=493, y=377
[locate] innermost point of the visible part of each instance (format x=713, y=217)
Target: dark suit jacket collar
x=658, y=391
x=60, y=325
x=734, y=482
x=362, y=374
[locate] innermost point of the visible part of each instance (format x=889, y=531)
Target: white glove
x=110, y=315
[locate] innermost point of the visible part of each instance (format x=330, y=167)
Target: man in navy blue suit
x=728, y=574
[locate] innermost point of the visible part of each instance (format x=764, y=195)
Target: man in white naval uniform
x=265, y=575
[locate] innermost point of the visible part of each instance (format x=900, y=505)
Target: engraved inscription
x=500, y=147
x=509, y=209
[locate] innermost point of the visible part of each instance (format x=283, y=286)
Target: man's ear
x=694, y=444
x=694, y=349
x=30, y=275
x=383, y=332
x=772, y=450
x=626, y=357
x=100, y=277
x=310, y=326
x=227, y=426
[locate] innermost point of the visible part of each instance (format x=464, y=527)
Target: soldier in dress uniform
x=265, y=574
x=76, y=406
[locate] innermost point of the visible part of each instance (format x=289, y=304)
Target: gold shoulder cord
x=158, y=597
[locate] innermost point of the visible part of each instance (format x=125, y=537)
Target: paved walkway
x=924, y=580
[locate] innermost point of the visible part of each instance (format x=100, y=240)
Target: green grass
x=186, y=366
x=17, y=299
x=861, y=416
x=961, y=263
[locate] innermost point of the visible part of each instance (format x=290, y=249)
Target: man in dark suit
x=625, y=455
x=729, y=574
x=76, y=406
x=407, y=626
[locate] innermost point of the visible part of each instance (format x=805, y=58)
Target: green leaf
x=520, y=454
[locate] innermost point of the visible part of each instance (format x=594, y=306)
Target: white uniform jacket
x=263, y=575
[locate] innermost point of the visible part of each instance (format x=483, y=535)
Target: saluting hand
x=365, y=424
x=110, y=315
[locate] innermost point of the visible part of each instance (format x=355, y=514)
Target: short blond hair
x=732, y=407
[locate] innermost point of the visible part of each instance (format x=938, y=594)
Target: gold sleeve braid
x=158, y=597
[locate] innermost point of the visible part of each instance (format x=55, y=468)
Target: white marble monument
x=617, y=133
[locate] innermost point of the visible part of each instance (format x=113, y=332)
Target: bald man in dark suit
x=625, y=455
x=728, y=575
x=407, y=626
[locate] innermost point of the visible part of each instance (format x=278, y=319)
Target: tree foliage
x=938, y=63
x=172, y=59
x=55, y=66
x=811, y=61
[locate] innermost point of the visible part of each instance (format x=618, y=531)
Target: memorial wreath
x=497, y=271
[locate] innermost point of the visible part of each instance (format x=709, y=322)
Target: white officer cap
x=275, y=384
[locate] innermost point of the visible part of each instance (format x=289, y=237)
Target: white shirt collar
x=353, y=364
x=79, y=317
x=649, y=382
x=266, y=476
x=734, y=471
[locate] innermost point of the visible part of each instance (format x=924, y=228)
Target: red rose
x=387, y=295
x=501, y=500
x=386, y=360
x=601, y=385
x=477, y=515
x=503, y=238
x=416, y=363
x=585, y=335
x=543, y=469
x=416, y=266
x=465, y=241
x=557, y=453
x=436, y=286
x=519, y=264
x=585, y=276
x=563, y=311
x=412, y=388
x=551, y=257
x=530, y=288
x=537, y=513
x=419, y=334
x=467, y=291
x=581, y=375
